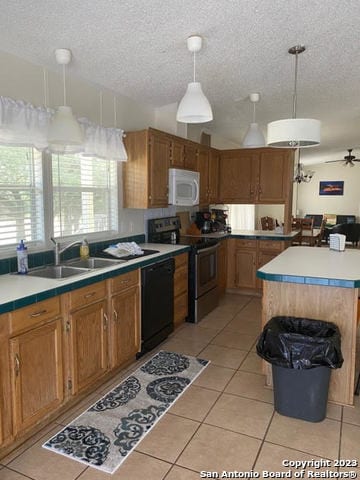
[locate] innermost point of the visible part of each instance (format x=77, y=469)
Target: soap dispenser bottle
x=84, y=249
x=22, y=258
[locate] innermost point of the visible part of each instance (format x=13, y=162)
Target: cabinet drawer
x=86, y=295
x=244, y=243
x=34, y=314
x=181, y=259
x=272, y=245
x=180, y=308
x=181, y=280
x=124, y=281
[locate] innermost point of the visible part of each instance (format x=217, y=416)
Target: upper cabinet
x=262, y=175
x=208, y=166
x=145, y=174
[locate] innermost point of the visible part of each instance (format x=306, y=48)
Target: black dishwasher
x=157, y=303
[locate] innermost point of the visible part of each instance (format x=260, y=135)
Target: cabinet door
x=214, y=158
x=236, y=177
x=190, y=157
x=203, y=168
x=159, y=161
x=37, y=375
x=125, y=333
x=176, y=154
x=245, y=269
x=273, y=178
x=88, y=329
x=222, y=263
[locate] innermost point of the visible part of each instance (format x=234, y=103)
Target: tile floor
x=225, y=421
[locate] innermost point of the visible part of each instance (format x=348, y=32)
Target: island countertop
x=314, y=266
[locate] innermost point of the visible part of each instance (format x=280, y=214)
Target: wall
x=308, y=198
x=274, y=211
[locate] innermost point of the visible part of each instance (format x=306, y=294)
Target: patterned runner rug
x=111, y=428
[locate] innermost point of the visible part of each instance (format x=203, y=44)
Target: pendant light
x=294, y=132
x=65, y=133
x=301, y=175
x=254, y=136
x=194, y=106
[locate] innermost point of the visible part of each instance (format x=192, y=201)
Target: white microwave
x=183, y=187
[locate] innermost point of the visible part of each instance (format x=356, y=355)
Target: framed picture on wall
x=331, y=187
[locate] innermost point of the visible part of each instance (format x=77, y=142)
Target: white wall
x=309, y=200
x=274, y=211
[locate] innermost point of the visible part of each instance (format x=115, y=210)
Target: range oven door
x=206, y=270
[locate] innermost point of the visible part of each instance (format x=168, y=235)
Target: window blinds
x=84, y=195
x=21, y=195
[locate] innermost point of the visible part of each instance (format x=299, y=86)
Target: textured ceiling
x=138, y=48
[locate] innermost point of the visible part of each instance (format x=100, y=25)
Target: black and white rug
x=111, y=428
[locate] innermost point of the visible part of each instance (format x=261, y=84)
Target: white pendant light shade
x=254, y=137
x=65, y=129
x=194, y=106
x=294, y=132
x=65, y=133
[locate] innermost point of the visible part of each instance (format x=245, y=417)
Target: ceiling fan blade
x=332, y=161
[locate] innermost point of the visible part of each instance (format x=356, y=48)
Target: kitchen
x=23, y=79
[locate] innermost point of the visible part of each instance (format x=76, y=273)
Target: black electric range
x=202, y=272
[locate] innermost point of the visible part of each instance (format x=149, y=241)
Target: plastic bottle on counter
x=22, y=258
x=84, y=249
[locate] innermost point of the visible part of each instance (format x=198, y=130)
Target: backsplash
x=8, y=265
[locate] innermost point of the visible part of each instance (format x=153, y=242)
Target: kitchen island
x=320, y=284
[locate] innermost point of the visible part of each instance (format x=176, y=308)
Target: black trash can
x=302, y=352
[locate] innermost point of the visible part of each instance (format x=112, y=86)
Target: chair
x=296, y=225
x=318, y=237
x=307, y=231
x=267, y=223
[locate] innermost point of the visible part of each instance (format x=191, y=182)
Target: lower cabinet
x=245, y=257
x=180, y=289
x=124, y=318
x=36, y=374
x=222, y=266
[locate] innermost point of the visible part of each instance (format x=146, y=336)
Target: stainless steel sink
x=94, y=262
x=57, y=271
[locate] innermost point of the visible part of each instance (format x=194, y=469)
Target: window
x=84, y=195
x=21, y=195
x=78, y=195
x=242, y=217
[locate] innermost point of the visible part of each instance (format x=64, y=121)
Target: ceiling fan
x=348, y=159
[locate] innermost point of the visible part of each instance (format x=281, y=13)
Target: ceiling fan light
x=64, y=128
x=194, y=107
x=294, y=133
x=254, y=137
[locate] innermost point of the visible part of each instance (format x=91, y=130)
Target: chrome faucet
x=58, y=250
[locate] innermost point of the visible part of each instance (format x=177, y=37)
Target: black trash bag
x=300, y=343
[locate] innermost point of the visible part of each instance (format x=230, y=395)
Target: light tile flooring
x=225, y=421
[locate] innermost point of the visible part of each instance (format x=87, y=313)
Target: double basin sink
x=73, y=267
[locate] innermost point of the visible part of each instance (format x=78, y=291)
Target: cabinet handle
x=17, y=364
x=37, y=314
x=115, y=315
x=123, y=282
x=105, y=321
x=89, y=295
x=67, y=327
x=260, y=191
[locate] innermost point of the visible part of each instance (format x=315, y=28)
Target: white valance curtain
x=23, y=124
x=242, y=217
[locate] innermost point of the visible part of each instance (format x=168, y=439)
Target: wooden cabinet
x=124, y=318
x=145, y=174
x=36, y=363
x=246, y=256
x=261, y=175
x=208, y=166
x=180, y=289
x=191, y=156
x=87, y=326
x=177, y=153
x=222, y=266
x=213, y=178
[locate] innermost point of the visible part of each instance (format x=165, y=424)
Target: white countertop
x=313, y=265
x=14, y=287
x=264, y=233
